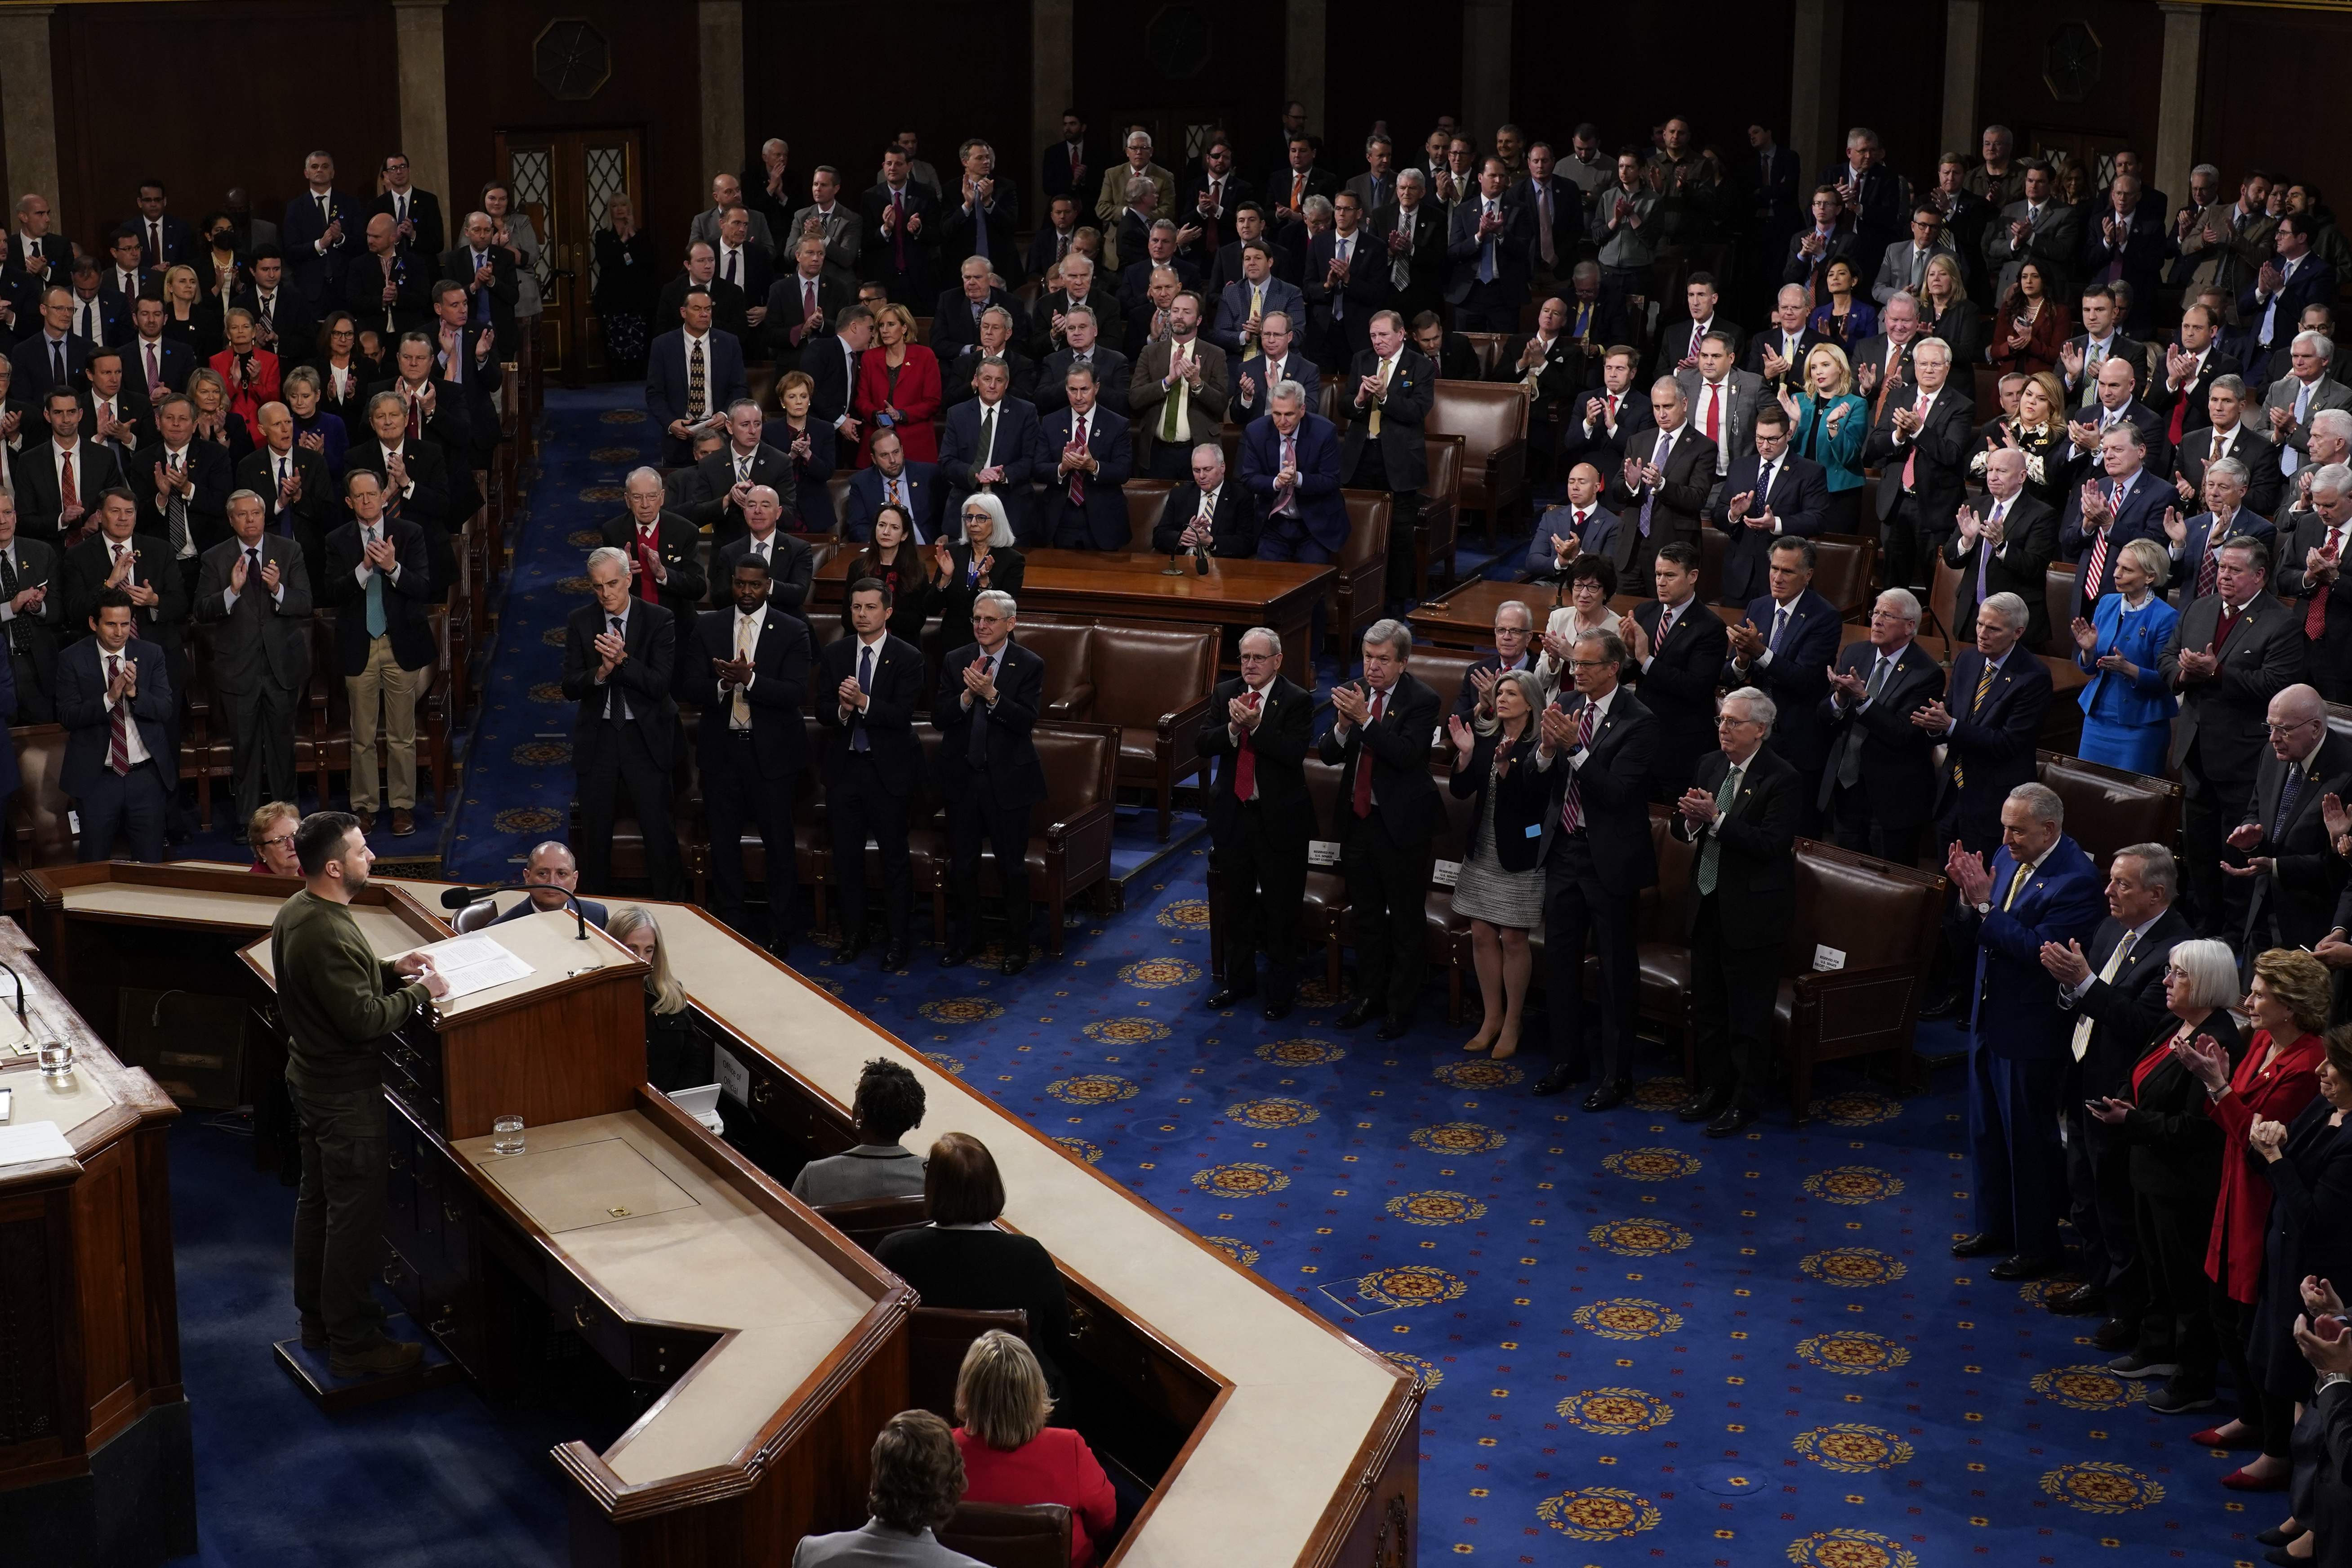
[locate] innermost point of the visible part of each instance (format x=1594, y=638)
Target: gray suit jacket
x=2056, y=236
x=1738, y=433
x=259, y=642
x=1894, y=268
x=840, y=238
x=706, y=228
x=873, y=1545
x=2325, y=392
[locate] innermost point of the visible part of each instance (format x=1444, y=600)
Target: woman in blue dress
x=1828, y=424
x=2126, y=710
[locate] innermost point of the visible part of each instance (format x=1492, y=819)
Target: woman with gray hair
x=983, y=558
x=1500, y=889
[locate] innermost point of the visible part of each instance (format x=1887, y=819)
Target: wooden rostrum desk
x=771, y=1349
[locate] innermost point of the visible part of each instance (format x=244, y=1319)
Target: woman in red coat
x=2278, y=1076
x=2028, y=330
x=898, y=379
x=1011, y=1456
x=249, y=370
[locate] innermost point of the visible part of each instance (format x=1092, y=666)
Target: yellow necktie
x=1374, y=428
x=1984, y=684
x=2114, y=967
x=2015, y=883
x=1257, y=313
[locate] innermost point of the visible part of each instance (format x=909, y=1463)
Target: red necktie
x=415, y=418
x=1078, y=476
x=2098, y=564
x=1612, y=408
x=1714, y=398
x=1363, y=797
x=2179, y=412
x=2315, y=619
x=648, y=559
x=2205, y=567
x=1911, y=463
x=1245, y=765
x=117, y=741
x=808, y=309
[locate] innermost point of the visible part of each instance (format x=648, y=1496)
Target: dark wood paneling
x=1360, y=86
x=2239, y=125
x=2122, y=105
x=1891, y=79
x=1723, y=64
x=234, y=103
x=1241, y=79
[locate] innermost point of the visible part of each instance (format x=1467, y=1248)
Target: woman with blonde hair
x=675, y=1058
x=2038, y=429
x=897, y=388
x=1011, y=1456
x=1949, y=313
x=216, y=421
x=1828, y=423
x=183, y=317
x=808, y=442
x=269, y=834
x=1500, y=890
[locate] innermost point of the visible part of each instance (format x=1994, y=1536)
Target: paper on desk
x=471, y=964
x=23, y=1144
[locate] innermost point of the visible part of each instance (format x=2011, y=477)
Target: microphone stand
x=458, y=897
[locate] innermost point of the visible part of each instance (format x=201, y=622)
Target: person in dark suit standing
x=980, y=213
x=1739, y=814
x=2231, y=652
x=386, y=290
x=32, y=607
x=114, y=697
x=2040, y=890
x=1409, y=236
x=2291, y=867
x=1084, y=460
x=747, y=668
x=869, y=686
x=1388, y=810
x=726, y=477
x=488, y=275
x=1256, y=379
x=1345, y=279
x=2225, y=434
x=1207, y=515
x=900, y=232
x=1777, y=354
x=1290, y=466
x=1988, y=720
x=2115, y=984
x=2006, y=548
x=802, y=306
x=1659, y=492
x=2311, y=566
x=253, y=589
x=59, y=480
x=1256, y=735
x=1070, y=167
x=1608, y=418
x=294, y=485
x=378, y=582
x=1489, y=243
x=1392, y=387
x=320, y=232
x=1785, y=646
x=415, y=215
x=2120, y=502
x=659, y=546
x=1676, y=647
x=692, y=374
x=1768, y=494
x=1878, y=784
x=990, y=692
x=1589, y=786
x=1921, y=444
x=619, y=658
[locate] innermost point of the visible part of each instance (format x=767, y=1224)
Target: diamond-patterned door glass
x=607, y=170
x=1196, y=140
x=533, y=181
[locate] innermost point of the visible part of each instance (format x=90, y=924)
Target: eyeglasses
x=273, y=842
x=1592, y=664
x=2291, y=728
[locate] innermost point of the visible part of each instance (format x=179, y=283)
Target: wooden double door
x=566, y=180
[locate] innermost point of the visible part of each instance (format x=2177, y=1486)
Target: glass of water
x=506, y=1135
x=56, y=1058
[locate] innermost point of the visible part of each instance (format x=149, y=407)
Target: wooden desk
x=96, y=1458
x=1235, y=594
x=1464, y=616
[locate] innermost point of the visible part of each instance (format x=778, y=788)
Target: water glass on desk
x=57, y=1059
x=506, y=1135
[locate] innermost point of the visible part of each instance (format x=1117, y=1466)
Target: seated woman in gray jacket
x=889, y=1101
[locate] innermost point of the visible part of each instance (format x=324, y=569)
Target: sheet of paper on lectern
x=476, y=962
x=23, y=1145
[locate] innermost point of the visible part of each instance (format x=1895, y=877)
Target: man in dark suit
x=1551, y=365
x=283, y=323
x=2102, y=339
x=378, y=582
x=488, y=273
x=58, y=480
x=730, y=307
x=1389, y=394
x=1084, y=460
x=99, y=319
x=1659, y=492
x=298, y=493
x=726, y=476
x=870, y=685
x=786, y=558
x=1057, y=236
x=2114, y=986
x=320, y=232
x=980, y=213
x=1556, y=206
x=1346, y=277
x=2312, y=558
x=900, y=230
x=2292, y=868
x=114, y=697
x=747, y=668
x=2231, y=652
x=254, y=590
x=800, y=307
x=444, y=382
x=416, y=480
x=2111, y=403
x=990, y=692
x=2125, y=242
x=1678, y=344
x=1988, y=720
x=660, y=548
x=1878, y=783
x=1921, y=444
x=1514, y=633
x=1386, y=812
x=1256, y=734
x=677, y=398
x=2291, y=279
x=2004, y=548
x=830, y=364
x=1608, y=417
x=32, y=607
x=2182, y=392
x=619, y=658
x=991, y=445
x=1768, y=494
x=1407, y=236
x=1083, y=344
x=2041, y=891
x=1785, y=646
x=123, y=277
x=1285, y=190
x=415, y=215
x=1070, y=167
x=117, y=556
x=1451, y=352
x=49, y=355
x=955, y=318
x=152, y=360
x=1589, y=785
x=1739, y=811
x=1489, y=243
x=1674, y=648
x=1207, y=515
x=2226, y=516
x=2225, y=434
x=1278, y=360
x=1830, y=237
x=1290, y=466
x=893, y=481
x=1776, y=355
x=2122, y=502
x=385, y=290
x=1049, y=319
x=163, y=235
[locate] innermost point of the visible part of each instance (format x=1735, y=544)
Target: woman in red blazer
x=251, y=372
x=2048, y=324
x=899, y=378
x=1011, y=1456
x=2278, y=1076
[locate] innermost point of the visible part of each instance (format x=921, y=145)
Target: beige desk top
x=702, y=1255
x=385, y=930
x=68, y=1101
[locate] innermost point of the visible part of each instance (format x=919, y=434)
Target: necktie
x=2108, y=973
x=1571, y=804
x=899, y=229
x=1373, y=427
x=739, y=711
x=1362, y=797
x=1344, y=247
x=69, y=491
x=857, y=742
x=1256, y=314
x=1543, y=221
x=1850, y=764
x=1911, y=463
x=8, y=590
x=2315, y=619
x=697, y=387
x=895, y=498
x=617, y=707
x=1780, y=625
x=118, y=739
x=1666, y=449
x=2289, y=458
x=648, y=558
x=89, y=322
x=154, y=375
x=1078, y=476
x=1711, y=419
x=734, y=264
x=1245, y=765
x=2094, y=577
x=376, y=623
x=1984, y=551
x=252, y=582
x=1401, y=269
x=2206, y=566
x=1487, y=251
x=58, y=363
x=2290, y=791
x=1711, y=851
x=1575, y=525
x=1984, y=684
x=1289, y=461
x=1171, y=416
x=1297, y=189
x=154, y=243
x=987, y=439
x=977, y=753
x=808, y=309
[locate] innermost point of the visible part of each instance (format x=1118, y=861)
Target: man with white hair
x=1921, y=442
x=2290, y=866
x=1999, y=692
x=2226, y=516
x=2040, y=890
x=2004, y=545
x=659, y=548
x=1659, y=494
x=2308, y=387
x=2322, y=536
x=619, y=654
x=1256, y=733
x=989, y=693
x=2226, y=434
x=1878, y=787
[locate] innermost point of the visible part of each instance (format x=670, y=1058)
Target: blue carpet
x=1643, y=1345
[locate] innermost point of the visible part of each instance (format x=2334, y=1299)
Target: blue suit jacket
x=2016, y=1000
x=1016, y=452
x=81, y=708
x=1797, y=678
x=1321, y=510
x=2314, y=283
x=319, y=278
x=865, y=500
x=2140, y=517
x=1600, y=536
x=594, y=911
x=1799, y=498
x=666, y=377
x=1232, y=310
x=1106, y=501
x=1512, y=247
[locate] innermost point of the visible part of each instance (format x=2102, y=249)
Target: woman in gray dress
x=1500, y=889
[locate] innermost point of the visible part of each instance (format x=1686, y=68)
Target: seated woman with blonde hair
x=676, y=1056
x=1011, y=1456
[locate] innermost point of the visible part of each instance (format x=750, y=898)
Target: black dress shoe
x=849, y=949
x=2116, y=1334
x=1014, y=963
x=1359, y=1013
x=1393, y=1027
x=1277, y=1011
x=1941, y=1007
x=955, y=957
x=2027, y=1266
x=2076, y=1301
x=1225, y=997
x=1730, y=1119
x=1978, y=1244
x=1610, y=1094
x=1559, y=1080
x=896, y=958
x=1703, y=1106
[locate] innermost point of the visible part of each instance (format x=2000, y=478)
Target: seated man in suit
x=619, y=659
x=659, y=549
x=1451, y=353
x=1768, y=494
x=955, y=318
x=380, y=585
x=692, y=374
x=114, y=697
x=747, y=668
x=725, y=476
x=870, y=685
x=1206, y=515
x=892, y=480
x=1082, y=454
x=2040, y=890
x=1878, y=784
x=990, y=691
x=2291, y=867
x=1256, y=734
x=2123, y=503
x=1674, y=648
x=253, y=589
x=1989, y=720
x=552, y=873
x=1577, y=527
x=1290, y=464
x=2006, y=548
x=1740, y=813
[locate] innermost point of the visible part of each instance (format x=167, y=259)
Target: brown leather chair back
x=2339, y=720
x=38, y=828
x=1327, y=399
x=1872, y=911
x=760, y=384
x=937, y=1339
x=1662, y=919
x=1065, y=646
x=1143, y=670
x=1081, y=764
x=1842, y=572
x=1323, y=792
x=1987, y=391
x=2058, y=598
x=1712, y=545
x=1444, y=486
x=1944, y=598
x=867, y=1221
x=1146, y=499
x=2107, y=808
x=1368, y=528
x=1353, y=600
x=1444, y=669
x=836, y=488
x=1490, y=417
x=1033, y=1535
x=1488, y=346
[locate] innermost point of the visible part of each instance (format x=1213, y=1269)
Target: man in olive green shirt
x=339, y=1002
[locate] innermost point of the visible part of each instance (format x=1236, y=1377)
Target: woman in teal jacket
x=1828, y=424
